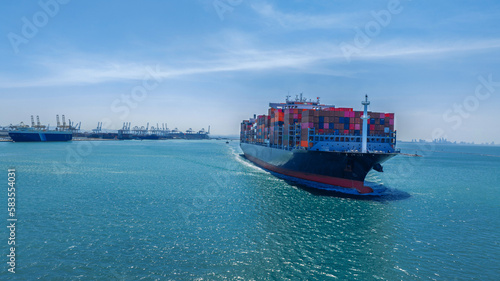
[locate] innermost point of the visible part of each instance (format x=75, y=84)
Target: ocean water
x=197, y=210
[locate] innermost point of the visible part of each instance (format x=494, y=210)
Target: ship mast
x=365, y=118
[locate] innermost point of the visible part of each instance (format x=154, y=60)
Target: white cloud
x=315, y=58
x=303, y=21
x=409, y=50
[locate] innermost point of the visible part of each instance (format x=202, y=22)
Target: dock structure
x=158, y=132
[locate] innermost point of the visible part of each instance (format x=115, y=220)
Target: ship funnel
x=38, y=121
x=32, y=122
x=58, y=122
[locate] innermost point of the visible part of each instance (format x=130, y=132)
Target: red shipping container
x=391, y=122
x=372, y=127
x=346, y=132
x=351, y=126
x=344, y=109
x=357, y=126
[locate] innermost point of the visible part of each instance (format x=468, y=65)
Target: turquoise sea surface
x=197, y=210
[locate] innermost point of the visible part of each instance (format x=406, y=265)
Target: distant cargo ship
x=30, y=135
x=320, y=143
x=41, y=133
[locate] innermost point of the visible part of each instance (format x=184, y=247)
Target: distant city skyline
x=192, y=64
x=445, y=141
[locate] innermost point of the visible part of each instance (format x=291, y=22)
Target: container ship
x=320, y=143
x=42, y=133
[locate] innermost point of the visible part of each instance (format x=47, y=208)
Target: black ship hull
x=344, y=169
x=148, y=137
x=42, y=136
x=196, y=136
x=104, y=136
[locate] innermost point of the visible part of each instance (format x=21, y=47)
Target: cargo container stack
x=302, y=124
x=276, y=126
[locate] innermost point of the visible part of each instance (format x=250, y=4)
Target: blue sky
x=215, y=62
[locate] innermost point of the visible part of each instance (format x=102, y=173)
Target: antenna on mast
x=364, y=118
